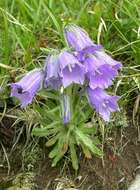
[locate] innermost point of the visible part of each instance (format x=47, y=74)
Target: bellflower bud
x=66, y=112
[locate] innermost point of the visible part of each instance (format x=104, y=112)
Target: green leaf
x=88, y=130
x=86, y=151
x=88, y=142
x=73, y=156
x=58, y=149
x=53, y=124
x=58, y=152
x=56, y=160
x=41, y=132
x=48, y=95
x=44, y=132
x=54, y=151
x=53, y=17
x=53, y=140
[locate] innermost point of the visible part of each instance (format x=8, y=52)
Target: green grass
x=29, y=29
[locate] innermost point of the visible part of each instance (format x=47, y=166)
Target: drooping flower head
x=63, y=69
x=79, y=40
x=102, y=102
x=101, y=68
x=52, y=72
x=99, y=74
x=27, y=87
x=71, y=70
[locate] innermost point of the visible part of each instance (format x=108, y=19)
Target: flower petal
x=99, y=75
x=77, y=38
x=27, y=87
x=103, y=103
x=52, y=71
x=106, y=59
x=71, y=70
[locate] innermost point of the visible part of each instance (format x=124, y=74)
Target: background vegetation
x=29, y=29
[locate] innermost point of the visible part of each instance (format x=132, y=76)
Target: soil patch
x=118, y=168
x=115, y=171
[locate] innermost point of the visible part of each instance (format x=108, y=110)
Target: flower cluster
x=85, y=63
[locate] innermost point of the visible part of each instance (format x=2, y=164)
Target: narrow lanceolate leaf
x=88, y=130
x=42, y=132
x=58, y=152
x=53, y=124
x=88, y=142
x=73, y=156
x=56, y=160
x=86, y=151
x=53, y=140
x=54, y=152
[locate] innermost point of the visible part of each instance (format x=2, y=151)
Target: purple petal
x=112, y=103
x=71, y=70
x=105, y=113
x=99, y=75
x=83, y=54
x=77, y=38
x=51, y=67
x=27, y=87
x=77, y=75
x=52, y=70
x=106, y=59
x=103, y=103
x=53, y=83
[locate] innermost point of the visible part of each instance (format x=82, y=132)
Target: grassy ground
x=29, y=29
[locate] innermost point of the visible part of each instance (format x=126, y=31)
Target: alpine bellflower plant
x=84, y=68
